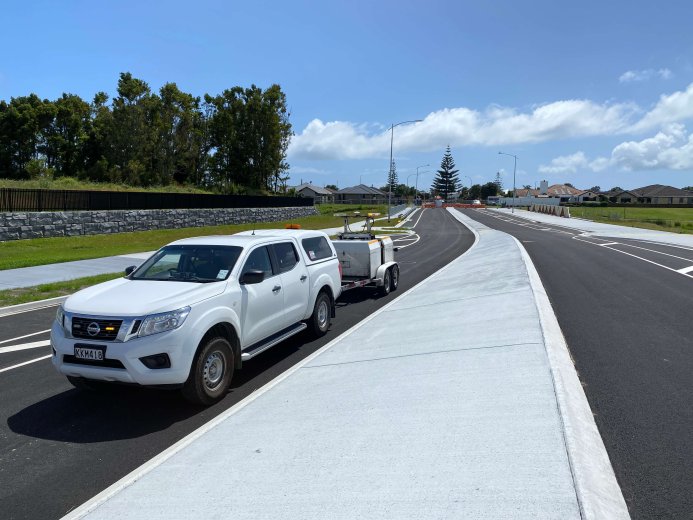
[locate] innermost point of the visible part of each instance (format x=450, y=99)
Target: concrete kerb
x=31, y=306
x=597, y=489
x=131, y=478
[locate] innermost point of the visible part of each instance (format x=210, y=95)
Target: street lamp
x=416, y=188
x=470, y=185
x=514, y=169
x=392, y=137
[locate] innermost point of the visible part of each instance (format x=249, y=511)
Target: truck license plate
x=90, y=353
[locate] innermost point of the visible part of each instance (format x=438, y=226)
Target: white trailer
x=366, y=260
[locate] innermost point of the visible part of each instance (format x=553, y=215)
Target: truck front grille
x=93, y=328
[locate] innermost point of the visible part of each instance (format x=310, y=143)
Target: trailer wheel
x=387, y=282
x=394, y=283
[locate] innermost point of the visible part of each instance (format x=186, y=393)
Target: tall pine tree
x=446, y=182
x=392, y=177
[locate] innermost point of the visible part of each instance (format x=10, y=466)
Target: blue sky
x=591, y=92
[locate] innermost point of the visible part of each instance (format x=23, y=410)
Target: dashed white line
x=25, y=346
x=25, y=363
x=25, y=336
x=609, y=244
x=686, y=270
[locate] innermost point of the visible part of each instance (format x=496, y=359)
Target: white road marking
x=686, y=270
x=25, y=346
x=639, y=258
x=25, y=363
x=25, y=336
x=655, y=251
x=417, y=220
x=609, y=244
x=414, y=242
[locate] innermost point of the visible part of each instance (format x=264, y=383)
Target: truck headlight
x=155, y=323
x=60, y=316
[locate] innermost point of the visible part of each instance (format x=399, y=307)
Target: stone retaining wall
x=16, y=226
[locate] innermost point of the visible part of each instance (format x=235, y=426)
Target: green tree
x=134, y=133
x=331, y=187
x=446, y=182
x=68, y=134
x=489, y=189
x=249, y=133
x=499, y=182
x=180, y=138
x=392, y=177
x=24, y=126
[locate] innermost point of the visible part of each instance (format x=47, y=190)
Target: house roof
x=316, y=189
x=563, y=189
x=361, y=189
x=660, y=190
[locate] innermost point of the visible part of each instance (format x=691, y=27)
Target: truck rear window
x=316, y=248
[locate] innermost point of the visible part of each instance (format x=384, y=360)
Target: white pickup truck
x=196, y=309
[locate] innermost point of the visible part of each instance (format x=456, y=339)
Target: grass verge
x=51, y=290
x=676, y=220
x=42, y=251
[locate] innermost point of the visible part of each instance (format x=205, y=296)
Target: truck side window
x=286, y=255
x=258, y=260
x=316, y=248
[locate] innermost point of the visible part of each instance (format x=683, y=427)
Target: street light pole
x=416, y=188
x=514, y=169
x=470, y=185
x=392, y=137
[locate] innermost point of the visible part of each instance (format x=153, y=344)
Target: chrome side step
x=259, y=348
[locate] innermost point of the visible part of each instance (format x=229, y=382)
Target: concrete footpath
x=456, y=400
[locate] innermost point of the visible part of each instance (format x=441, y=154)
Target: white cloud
x=644, y=75
x=494, y=126
x=669, y=149
x=463, y=127
x=670, y=108
x=566, y=164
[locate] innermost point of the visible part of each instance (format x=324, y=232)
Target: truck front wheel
x=211, y=373
x=319, y=321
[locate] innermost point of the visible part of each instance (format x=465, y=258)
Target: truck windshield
x=189, y=263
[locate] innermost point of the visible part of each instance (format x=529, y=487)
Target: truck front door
x=262, y=303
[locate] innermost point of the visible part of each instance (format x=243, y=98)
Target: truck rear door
x=295, y=281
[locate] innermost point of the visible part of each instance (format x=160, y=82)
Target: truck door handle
x=276, y=288
x=303, y=278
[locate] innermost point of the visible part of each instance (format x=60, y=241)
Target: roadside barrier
x=559, y=211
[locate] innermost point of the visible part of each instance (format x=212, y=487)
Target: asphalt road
x=59, y=446
x=625, y=308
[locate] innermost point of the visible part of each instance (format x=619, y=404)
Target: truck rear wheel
x=211, y=373
x=319, y=321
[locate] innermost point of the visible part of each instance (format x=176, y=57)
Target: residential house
x=320, y=195
x=360, y=194
x=660, y=194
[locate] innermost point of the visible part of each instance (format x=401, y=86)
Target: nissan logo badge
x=93, y=329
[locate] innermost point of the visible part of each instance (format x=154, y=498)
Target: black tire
x=319, y=321
x=394, y=280
x=210, y=373
x=88, y=385
x=387, y=283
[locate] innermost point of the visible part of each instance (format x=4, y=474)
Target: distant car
x=476, y=201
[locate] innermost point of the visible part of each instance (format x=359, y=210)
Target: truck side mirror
x=253, y=276
x=129, y=269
